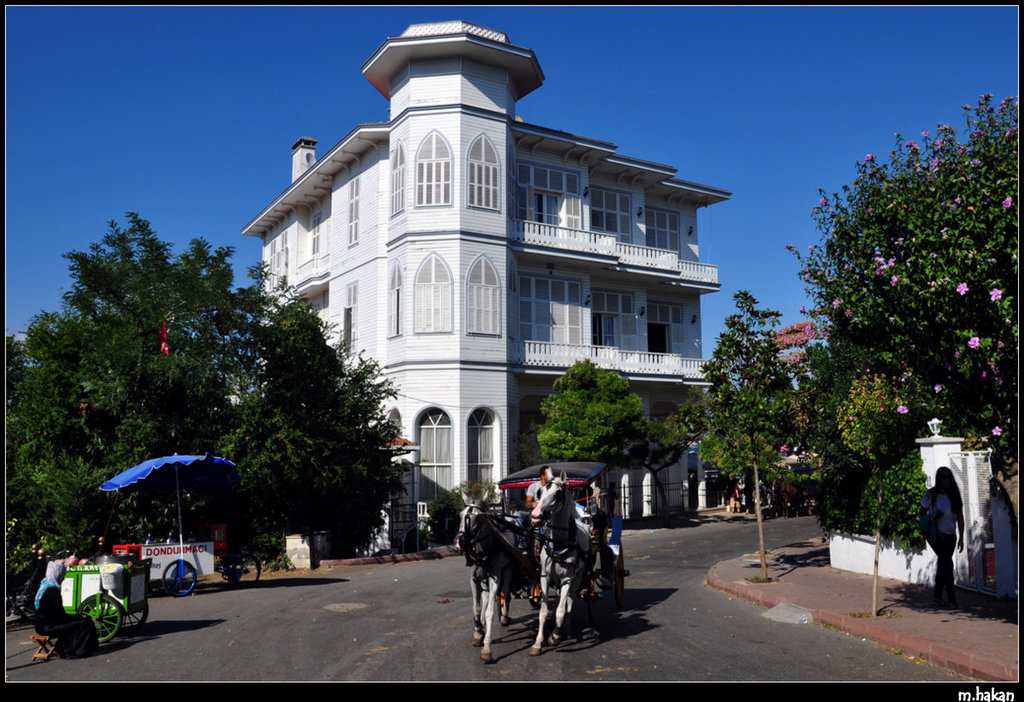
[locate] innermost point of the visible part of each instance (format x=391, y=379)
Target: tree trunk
x=662, y=498
x=878, y=545
x=760, y=524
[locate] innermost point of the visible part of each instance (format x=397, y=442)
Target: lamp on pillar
x=934, y=426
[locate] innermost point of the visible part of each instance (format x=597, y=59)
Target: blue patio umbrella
x=206, y=475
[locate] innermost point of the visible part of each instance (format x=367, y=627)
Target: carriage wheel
x=133, y=621
x=105, y=613
x=620, y=581
x=535, y=595
x=590, y=594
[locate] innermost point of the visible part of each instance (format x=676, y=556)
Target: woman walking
x=945, y=508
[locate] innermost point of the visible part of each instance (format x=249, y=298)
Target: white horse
x=563, y=557
x=480, y=538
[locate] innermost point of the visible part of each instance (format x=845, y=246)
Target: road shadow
x=971, y=603
x=606, y=623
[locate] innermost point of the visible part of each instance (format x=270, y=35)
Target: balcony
x=617, y=253
x=311, y=271
x=546, y=354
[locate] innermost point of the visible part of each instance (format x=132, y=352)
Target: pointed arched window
x=434, y=172
x=433, y=297
x=483, y=299
x=482, y=174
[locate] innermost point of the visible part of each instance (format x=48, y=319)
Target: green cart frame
x=113, y=595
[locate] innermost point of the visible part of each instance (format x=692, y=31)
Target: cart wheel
x=106, y=614
x=244, y=570
x=620, y=581
x=179, y=578
x=133, y=621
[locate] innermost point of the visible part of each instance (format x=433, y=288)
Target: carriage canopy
x=577, y=474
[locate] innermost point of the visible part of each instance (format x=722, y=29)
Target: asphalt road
x=412, y=622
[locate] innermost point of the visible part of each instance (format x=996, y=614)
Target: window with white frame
x=609, y=212
x=398, y=180
x=352, y=299
x=549, y=196
x=395, y=302
x=480, y=446
x=353, y=212
x=433, y=309
x=482, y=175
x=435, y=441
x=278, y=260
x=550, y=310
x=434, y=172
x=612, y=320
x=662, y=229
x=314, y=239
x=483, y=299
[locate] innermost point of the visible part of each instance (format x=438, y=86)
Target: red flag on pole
x=164, y=348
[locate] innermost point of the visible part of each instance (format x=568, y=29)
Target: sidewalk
x=979, y=640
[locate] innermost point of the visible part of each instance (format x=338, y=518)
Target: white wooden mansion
x=476, y=256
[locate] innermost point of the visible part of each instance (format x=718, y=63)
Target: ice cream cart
x=112, y=592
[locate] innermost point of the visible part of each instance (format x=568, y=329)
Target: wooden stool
x=47, y=649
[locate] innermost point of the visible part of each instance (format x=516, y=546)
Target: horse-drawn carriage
x=565, y=545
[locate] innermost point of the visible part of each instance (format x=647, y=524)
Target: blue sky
x=186, y=115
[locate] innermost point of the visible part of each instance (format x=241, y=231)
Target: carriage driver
x=532, y=498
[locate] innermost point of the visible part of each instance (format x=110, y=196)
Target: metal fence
x=976, y=564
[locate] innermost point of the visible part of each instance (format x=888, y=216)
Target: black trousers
x=944, y=547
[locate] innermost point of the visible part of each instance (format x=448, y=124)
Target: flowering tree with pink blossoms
x=917, y=271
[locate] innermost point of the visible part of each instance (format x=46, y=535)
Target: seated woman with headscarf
x=75, y=635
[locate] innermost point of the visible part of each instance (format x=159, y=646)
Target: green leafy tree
x=750, y=400
x=878, y=421
x=591, y=416
x=312, y=442
x=917, y=270
x=664, y=442
x=97, y=395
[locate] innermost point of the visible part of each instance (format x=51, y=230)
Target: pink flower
x=822, y=202
x=997, y=431
x=995, y=294
x=962, y=288
x=895, y=279
x=938, y=388
x=902, y=409
x=912, y=145
x=924, y=133
x=1007, y=203
x=973, y=343
x=869, y=157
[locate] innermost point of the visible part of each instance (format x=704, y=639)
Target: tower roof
x=435, y=40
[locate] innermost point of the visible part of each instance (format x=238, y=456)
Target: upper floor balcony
x=546, y=354
x=616, y=254
x=312, y=272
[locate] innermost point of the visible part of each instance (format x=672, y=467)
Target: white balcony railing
x=583, y=241
x=312, y=268
x=555, y=355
